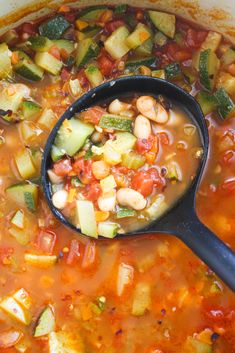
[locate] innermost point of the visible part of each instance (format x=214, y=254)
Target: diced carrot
x=101, y=216
x=72, y=193
x=139, y=15
x=144, y=36
x=54, y=51
x=150, y=157
x=81, y=24
x=14, y=58
x=106, y=16
x=64, y=8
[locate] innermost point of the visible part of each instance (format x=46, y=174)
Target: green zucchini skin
x=208, y=67
x=135, y=63
x=225, y=103
x=109, y=121
x=54, y=28
x=173, y=71
x=87, y=49
x=207, y=102
x=27, y=68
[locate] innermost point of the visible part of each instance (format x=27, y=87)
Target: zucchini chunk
x=116, y=45
x=87, y=49
x=125, y=212
x=228, y=57
x=160, y=39
x=46, y=322
x=212, y=41
x=30, y=110
x=48, y=119
x=5, y=61
x=49, y=63
x=124, y=142
x=208, y=68
x=27, y=68
x=24, y=195
x=64, y=44
x=54, y=28
x=65, y=342
x=40, y=43
x=18, y=219
x=173, y=71
x=92, y=14
x=136, y=63
x=85, y=210
x=226, y=81
x=94, y=75
x=207, y=102
x=133, y=160
x=15, y=310
x=120, y=9
x=225, y=103
x=142, y=299
x=108, y=229
x=139, y=36
x=21, y=236
x=72, y=135
x=40, y=261
x=23, y=298
x=164, y=22
x=90, y=32
x=116, y=122
x=146, y=48
x=25, y=164
x=11, y=102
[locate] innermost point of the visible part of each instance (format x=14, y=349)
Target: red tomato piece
x=93, y=115
x=228, y=185
x=158, y=181
x=29, y=28
x=83, y=169
x=81, y=76
x=143, y=183
x=194, y=38
x=46, y=241
x=111, y=26
x=55, y=51
x=183, y=55
x=106, y=64
x=9, y=338
x=93, y=192
x=90, y=257
x=65, y=74
x=144, y=145
x=228, y=157
x=74, y=252
x=164, y=138
x=63, y=167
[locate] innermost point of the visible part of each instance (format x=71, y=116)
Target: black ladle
x=180, y=220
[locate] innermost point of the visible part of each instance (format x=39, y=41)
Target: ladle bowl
x=181, y=219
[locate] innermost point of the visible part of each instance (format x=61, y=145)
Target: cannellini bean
x=54, y=178
x=142, y=127
x=149, y=107
x=107, y=202
x=59, y=199
x=116, y=106
x=100, y=169
x=131, y=198
x=97, y=137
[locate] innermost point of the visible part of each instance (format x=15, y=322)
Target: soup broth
x=64, y=293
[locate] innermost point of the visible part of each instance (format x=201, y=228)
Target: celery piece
x=133, y=160
x=18, y=219
x=142, y=299
x=108, y=229
x=41, y=261
x=125, y=212
x=46, y=322
x=116, y=122
x=86, y=218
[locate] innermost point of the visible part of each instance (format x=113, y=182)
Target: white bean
x=131, y=198
x=55, y=179
x=116, y=106
x=107, y=202
x=149, y=107
x=59, y=199
x=142, y=127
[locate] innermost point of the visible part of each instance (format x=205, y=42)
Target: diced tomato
x=121, y=170
x=158, y=181
x=182, y=26
x=29, y=28
x=145, y=145
x=143, y=183
x=83, y=169
x=81, y=76
x=63, y=167
x=5, y=254
x=93, y=115
x=74, y=252
x=106, y=64
x=9, y=338
x=46, y=241
x=71, y=17
x=183, y=55
x=194, y=38
x=55, y=51
x=111, y=26
x=90, y=257
x=65, y=74
x=93, y=192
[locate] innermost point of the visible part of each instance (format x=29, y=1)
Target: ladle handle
x=216, y=254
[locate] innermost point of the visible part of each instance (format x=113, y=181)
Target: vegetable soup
x=123, y=165
x=64, y=293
